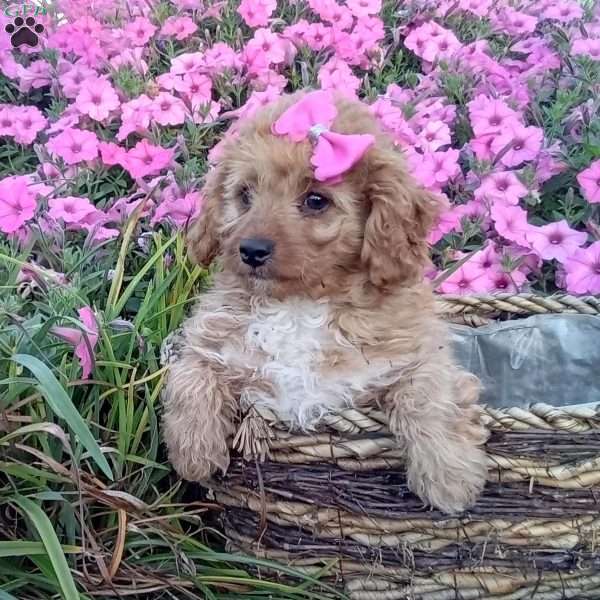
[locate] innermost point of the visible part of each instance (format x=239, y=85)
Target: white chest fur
x=291, y=345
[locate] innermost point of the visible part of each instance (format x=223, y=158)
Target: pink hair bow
x=334, y=153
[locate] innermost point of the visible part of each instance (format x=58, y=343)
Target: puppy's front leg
x=433, y=415
x=199, y=413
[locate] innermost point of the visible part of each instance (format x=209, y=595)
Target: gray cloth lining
x=554, y=359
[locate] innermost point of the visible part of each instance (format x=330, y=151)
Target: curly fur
x=339, y=315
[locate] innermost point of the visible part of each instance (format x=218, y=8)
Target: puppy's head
x=282, y=231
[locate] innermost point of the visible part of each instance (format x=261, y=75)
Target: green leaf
x=6, y=596
x=11, y=549
x=53, y=548
x=61, y=404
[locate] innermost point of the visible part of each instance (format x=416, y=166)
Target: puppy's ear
x=401, y=214
x=203, y=234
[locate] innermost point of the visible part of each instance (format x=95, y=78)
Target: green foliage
x=50, y=461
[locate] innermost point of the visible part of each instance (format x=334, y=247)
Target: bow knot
x=334, y=153
x=315, y=131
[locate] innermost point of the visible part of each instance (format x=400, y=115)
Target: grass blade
x=61, y=404
x=10, y=549
x=53, y=548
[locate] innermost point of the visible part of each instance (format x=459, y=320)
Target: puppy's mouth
x=260, y=275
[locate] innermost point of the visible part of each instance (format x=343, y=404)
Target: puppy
x=320, y=303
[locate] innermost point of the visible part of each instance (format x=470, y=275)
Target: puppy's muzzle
x=256, y=251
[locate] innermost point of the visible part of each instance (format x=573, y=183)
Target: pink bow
x=334, y=153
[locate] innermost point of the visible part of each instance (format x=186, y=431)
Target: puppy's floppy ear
x=203, y=235
x=401, y=214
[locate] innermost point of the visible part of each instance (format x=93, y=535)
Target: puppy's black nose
x=256, y=251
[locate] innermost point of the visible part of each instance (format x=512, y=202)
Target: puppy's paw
x=199, y=468
x=197, y=458
x=450, y=483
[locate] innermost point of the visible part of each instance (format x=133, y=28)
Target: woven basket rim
x=481, y=309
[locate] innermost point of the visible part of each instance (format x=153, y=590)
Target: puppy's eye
x=245, y=197
x=314, y=202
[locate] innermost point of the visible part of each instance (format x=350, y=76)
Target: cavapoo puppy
x=320, y=303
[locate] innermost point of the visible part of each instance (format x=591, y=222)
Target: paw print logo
x=24, y=31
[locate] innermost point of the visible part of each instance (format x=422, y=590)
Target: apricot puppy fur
x=320, y=304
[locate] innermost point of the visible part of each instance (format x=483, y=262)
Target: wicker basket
x=336, y=503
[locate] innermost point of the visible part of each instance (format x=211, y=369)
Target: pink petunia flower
x=74, y=146
x=168, y=81
x=17, y=203
x=97, y=98
x=72, y=79
x=435, y=169
x=518, y=144
x=475, y=211
x=296, y=32
x=589, y=182
x=339, y=16
x=501, y=281
x=432, y=42
x=510, y=222
x=433, y=136
x=205, y=113
x=168, y=110
x=504, y=186
x=7, y=120
x=188, y=62
x=111, y=154
x=139, y=31
x=563, y=11
x=35, y=76
x=131, y=57
x=487, y=258
x=490, y=115
x=392, y=119
x=513, y=22
x=482, y=146
x=548, y=164
x=589, y=47
x=348, y=47
x=477, y=7
x=256, y=13
x=364, y=8
x=122, y=209
x=582, y=270
x=318, y=36
x=146, y=159
x=70, y=209
x=94, y=224
x=89, y=50
x=220, y=58
x=179, y=27
x=101, y=233
x=255, y=102
x=28, y=122
x=268, y=78
x=178, y=211
x=467, y=279
x=195, y=87
x=335, y=74
x=528, y=260
x=449, y=220
x=267, y=46
x=83, y=339
x=69, y=119
x=555, y=240
x=135, y=116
